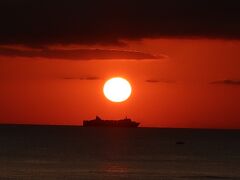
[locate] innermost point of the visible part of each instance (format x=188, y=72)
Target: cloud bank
x=41, y=23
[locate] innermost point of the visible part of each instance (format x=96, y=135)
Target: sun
x=117, y=89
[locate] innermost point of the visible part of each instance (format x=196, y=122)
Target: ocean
x=71, y=153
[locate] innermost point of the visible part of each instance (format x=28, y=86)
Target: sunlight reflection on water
x=115, y=168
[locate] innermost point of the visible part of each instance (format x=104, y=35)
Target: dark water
x=50, y=152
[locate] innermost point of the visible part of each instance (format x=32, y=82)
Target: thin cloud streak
x=87, y=78
x=159, y=81
x=80, y=54
x=227, y=82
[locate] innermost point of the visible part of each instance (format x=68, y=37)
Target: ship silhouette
x=98, y=122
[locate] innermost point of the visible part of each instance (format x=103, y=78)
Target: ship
x=98, y=122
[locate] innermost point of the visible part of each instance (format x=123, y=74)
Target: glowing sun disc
x=117, y=89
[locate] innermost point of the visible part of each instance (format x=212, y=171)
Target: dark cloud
x=90, y=78
x=79, y=54
x=159, y=81
x=39, y=23
x=227, y=82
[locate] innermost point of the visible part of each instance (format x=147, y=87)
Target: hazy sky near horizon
x=182, y=60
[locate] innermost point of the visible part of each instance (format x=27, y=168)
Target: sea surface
x=67, y=152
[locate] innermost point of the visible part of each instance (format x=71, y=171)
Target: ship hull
x=110, y=123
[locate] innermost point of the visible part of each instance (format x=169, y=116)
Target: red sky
x=184, y=83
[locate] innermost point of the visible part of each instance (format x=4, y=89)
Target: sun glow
x=117, y=89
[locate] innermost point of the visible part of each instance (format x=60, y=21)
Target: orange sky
x=41, y=90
